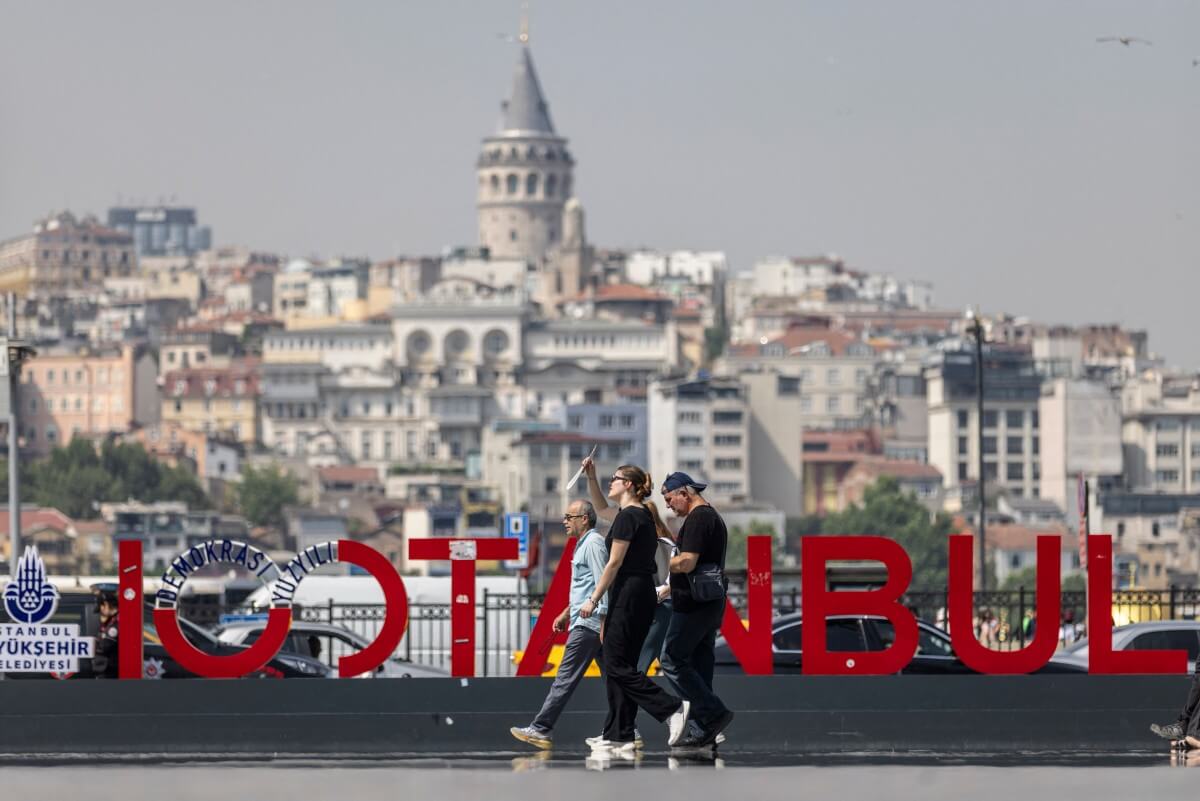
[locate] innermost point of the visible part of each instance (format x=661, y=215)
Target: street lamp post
x=976, y=329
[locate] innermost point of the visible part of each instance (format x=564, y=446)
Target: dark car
x=79, y=607
x=859, y=633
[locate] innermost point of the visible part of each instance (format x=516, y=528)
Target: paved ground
x=572, y=780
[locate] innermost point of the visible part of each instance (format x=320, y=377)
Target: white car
x=324, y=642
x=1182, y=635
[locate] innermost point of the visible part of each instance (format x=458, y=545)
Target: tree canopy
x=77, y=478
x=264, y=492
x=889, y=511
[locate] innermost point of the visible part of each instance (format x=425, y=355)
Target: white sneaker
x=611, y=746
x=677, y=723
x=598, y=741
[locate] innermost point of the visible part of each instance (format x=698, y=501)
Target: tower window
x=551, y=185
x=531, y=184
x=512, y=182
x=512, y=235
x=495, y=184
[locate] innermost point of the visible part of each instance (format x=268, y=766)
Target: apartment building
x=69, y=392
x=1011, y=425
x=1160, y=434
x=701, y=427
x=65, y=256
x=214, y=400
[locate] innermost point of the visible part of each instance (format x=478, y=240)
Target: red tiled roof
x=625, y=292
x=36, y=518
x=1015, y=537
x=798, y=337
x=875, y=466
x=198, y=327
x=348, y=474
x=200, y=382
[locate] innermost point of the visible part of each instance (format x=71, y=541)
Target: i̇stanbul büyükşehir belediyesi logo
x=30, y=598
x=30, y=644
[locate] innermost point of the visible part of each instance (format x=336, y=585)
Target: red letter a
x=544, y=637
x=820, y=603
x=962, y=632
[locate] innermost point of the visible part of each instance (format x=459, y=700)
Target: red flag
x=535, y=552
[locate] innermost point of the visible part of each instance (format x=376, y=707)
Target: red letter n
x=752, y=645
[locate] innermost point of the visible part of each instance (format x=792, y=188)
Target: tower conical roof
x=526, y=109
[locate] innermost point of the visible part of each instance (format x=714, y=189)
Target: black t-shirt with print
x=703, y=533
x=634, y=525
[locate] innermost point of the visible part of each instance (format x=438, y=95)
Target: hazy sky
x=993, y=148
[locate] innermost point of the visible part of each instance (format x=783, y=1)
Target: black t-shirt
x=703, y=533
x=634, y=525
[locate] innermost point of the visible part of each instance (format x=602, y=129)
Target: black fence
x=1002, y=620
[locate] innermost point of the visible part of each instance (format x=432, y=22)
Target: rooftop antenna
x=523, y=36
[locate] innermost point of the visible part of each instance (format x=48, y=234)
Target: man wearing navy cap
x=688, y=656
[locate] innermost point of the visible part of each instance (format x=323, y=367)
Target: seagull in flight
x=1125, y=40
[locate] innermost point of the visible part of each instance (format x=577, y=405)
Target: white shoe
x=599, y=742
x=677, y=723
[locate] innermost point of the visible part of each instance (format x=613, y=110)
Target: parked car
x=1183, y=635
x=79, y=607
x=330, y=642
x=860, y=633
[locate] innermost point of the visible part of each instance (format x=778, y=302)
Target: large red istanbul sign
x=750, y=642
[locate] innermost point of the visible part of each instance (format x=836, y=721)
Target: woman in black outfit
x=629, y=579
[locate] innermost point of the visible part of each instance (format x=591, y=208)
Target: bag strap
x=725, y=547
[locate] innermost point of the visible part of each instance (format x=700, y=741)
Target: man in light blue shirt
x=583, y=643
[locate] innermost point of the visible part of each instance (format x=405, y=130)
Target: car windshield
x=197, y=636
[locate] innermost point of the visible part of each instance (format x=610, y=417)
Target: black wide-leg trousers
x=631, y=605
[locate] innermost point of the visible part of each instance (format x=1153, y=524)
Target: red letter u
x=962, y=594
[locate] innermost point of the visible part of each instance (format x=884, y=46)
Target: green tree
x=137, y=474
x=889, y=511
x=715, y=339
x=177, y=484
x=264, y=492
x=77, y=478
x=735, y=554
x=1027, y=577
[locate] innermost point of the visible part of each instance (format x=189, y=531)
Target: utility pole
x=977, y=330
x=14, y=352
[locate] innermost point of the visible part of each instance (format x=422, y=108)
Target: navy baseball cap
x=678, y=480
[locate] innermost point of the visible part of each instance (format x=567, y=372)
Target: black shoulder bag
x=708, y=581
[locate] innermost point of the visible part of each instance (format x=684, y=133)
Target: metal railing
x=1003, y=620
